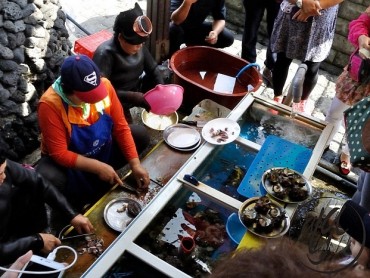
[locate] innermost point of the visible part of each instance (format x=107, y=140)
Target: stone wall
x=33, y=45
x=339, y=54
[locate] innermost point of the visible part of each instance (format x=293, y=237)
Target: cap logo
x=91, y=79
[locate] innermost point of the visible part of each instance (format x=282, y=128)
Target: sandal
x=344, y=166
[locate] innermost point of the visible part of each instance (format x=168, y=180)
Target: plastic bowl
x=164, y=99
x=235, y=229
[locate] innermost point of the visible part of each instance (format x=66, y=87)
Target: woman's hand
x=107, y=173
x=140, y=174
x=311, y=7
x=18, y=265
x=82, y=224
x=300, y=15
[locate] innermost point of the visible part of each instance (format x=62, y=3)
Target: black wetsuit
x=125, y=71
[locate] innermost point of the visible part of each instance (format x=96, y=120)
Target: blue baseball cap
x=81, y=75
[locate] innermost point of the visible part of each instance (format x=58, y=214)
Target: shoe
x=344, y=165
x=267, y=77
x=304, y=106
x=300, y=106
x=278, y=99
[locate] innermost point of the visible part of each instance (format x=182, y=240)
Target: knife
x=129, y=188
x=193, y=123
x=77, y=236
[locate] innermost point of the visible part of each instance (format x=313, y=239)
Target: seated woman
x=23, y=215
x=189, y=24
x=126, y=62
x=85, y=137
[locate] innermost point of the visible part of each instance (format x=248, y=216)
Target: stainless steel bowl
x=159, y=122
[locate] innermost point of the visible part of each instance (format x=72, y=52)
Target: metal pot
x=159, y=122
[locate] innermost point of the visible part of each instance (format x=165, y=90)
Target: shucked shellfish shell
x=133, y=209
x=264, y=224
x=249, y=216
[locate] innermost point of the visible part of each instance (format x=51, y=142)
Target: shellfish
x=286, y=183
x=264, y=216
x=133, y=209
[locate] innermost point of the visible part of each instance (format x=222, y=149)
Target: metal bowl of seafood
x=159, y=122
x=286, y=185
x=119, y=213
x=264, y=217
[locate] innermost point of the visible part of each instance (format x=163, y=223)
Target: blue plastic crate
x=275, y=152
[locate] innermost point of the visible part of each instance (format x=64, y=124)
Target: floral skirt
x=350, y=91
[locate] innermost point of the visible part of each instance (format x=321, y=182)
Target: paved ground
x=94, y=16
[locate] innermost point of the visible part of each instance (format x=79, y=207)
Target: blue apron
x=94, y=141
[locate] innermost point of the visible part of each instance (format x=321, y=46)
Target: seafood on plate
x=286, y=184
x=133, y=209
x=262, y=216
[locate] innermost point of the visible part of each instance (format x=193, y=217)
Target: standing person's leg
x=254, y=11
x=310, y=81
x=335, y=116
x=311, y=77
x=281, y=69
x=272, y=11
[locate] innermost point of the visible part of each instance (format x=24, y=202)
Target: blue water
x=257, y=124
x=219, y=168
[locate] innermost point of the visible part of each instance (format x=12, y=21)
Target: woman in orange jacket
x=84, y=134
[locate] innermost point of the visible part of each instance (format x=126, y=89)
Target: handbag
x=357, y=128
x=359, y=68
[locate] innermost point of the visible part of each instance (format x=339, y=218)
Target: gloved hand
x=145, y=105
x=136, y=99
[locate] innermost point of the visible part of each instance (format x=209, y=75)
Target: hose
x=247, y=67
x=296, y=88
x=249, y=87
x=78, y=25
